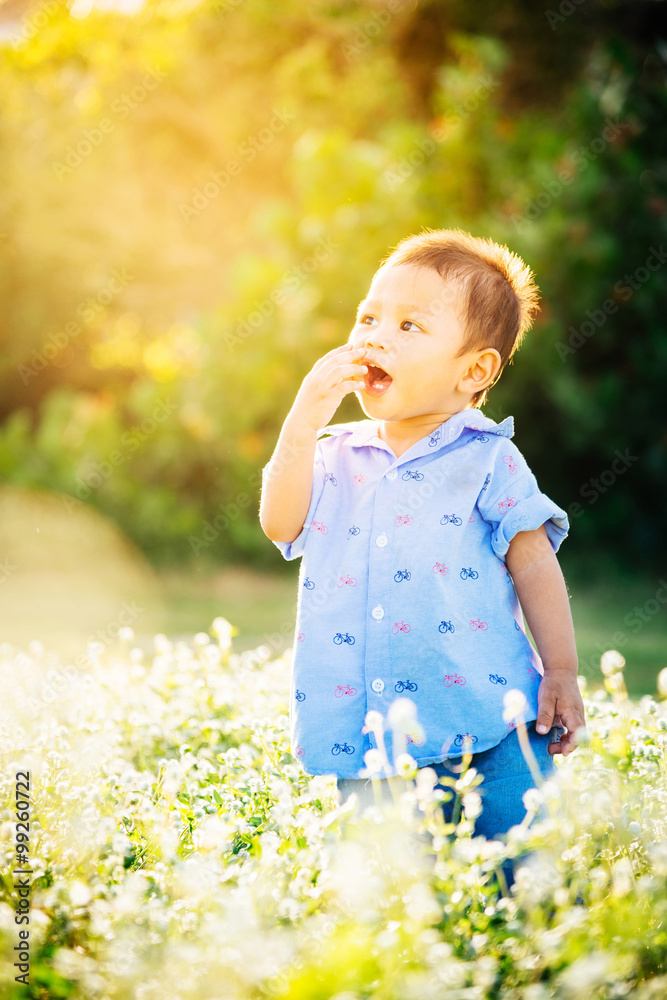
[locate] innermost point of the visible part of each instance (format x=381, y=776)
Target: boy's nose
x=374, y=345
x=380, y=348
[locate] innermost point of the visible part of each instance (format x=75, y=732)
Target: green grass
x=261, y=605
x=604, y=602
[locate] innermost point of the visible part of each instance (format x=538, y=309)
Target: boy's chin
x=370, y=405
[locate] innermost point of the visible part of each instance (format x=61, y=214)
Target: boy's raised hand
x=324, y=386
x=559, y=702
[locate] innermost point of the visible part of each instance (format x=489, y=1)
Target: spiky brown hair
x=498, y=297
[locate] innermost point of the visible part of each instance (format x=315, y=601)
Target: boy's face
x=409, y=327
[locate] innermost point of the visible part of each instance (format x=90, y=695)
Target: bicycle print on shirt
x=404, y=572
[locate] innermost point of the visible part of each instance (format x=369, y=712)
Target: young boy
x=424, y=534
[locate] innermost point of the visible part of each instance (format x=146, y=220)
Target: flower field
x=178, y=851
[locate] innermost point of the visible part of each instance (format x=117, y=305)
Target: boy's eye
x=362, y=321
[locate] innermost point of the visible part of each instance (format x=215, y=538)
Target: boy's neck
x=400, y=435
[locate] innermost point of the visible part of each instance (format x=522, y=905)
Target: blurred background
x=194, y=197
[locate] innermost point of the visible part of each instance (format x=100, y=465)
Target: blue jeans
x=506, y=777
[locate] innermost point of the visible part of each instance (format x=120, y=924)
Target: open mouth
x=376, y=380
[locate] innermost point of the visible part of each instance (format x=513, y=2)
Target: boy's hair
x=499, y=297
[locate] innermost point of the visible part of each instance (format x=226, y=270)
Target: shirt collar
x=365, y=432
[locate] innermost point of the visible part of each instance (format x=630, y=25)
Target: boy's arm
x=287, y=482
x=543, y=597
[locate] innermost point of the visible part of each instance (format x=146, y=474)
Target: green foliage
x=181, y=226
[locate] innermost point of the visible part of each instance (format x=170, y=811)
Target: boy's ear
x=482, y=371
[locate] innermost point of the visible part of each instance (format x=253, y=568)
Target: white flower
x=472, y=804
x=212, y=833
x=322, y=786
x=551, y=790
x=611, y=662
x=427, y=778
x=162, y=644
x=79, y=893
x=223, y=629
x=658, y=855
x=532, y=800
x=120, y=843
x=374, y=761
x=173, y=777
x=201, y=639
x=402, y=713
x=212, y=653
x=373, y=722
x=406, y=765
x=515, y=704
x=126, y=634
x=662, y=683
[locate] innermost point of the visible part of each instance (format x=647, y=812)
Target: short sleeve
x=513, y=502
x=294, y=549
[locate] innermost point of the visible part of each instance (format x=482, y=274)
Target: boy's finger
x=341, y=349
x=565, y=719
x=347, y=350
x=571, y=719
x=545, y=716
x=567, y=744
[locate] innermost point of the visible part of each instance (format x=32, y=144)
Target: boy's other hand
x=324, y=386
x=559, y=702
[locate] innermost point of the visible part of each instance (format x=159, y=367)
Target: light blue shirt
x=404, y=591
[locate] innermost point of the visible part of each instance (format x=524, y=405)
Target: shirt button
x=378, y=685
x=378, y=612
x=381, y=540
x=392, y=474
